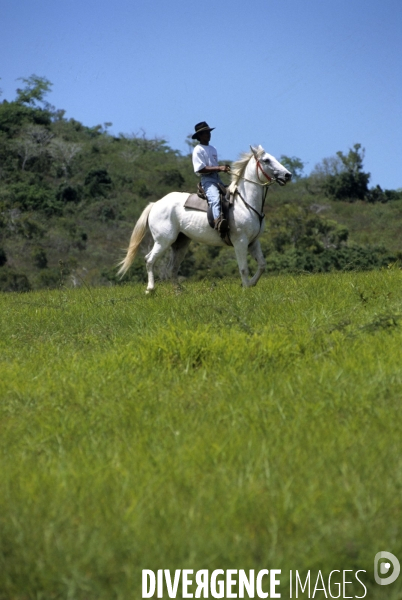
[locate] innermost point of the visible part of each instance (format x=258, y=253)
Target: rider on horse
x=206, y=166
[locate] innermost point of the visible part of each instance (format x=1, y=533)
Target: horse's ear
x=254, y=151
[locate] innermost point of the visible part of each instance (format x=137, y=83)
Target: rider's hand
x=224, y=168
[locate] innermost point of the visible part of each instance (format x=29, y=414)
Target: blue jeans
x=208, y=183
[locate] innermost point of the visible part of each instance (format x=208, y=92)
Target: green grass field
x=201, y=428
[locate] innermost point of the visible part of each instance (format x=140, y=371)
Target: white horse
x=172, y=225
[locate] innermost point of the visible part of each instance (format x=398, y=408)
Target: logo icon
x=382, y=566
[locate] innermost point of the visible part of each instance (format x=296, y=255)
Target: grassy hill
x=368, y=223
x=211, y=428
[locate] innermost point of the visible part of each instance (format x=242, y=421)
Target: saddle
x=199, y=201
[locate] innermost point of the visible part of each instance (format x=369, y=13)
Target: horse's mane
x=239, y=166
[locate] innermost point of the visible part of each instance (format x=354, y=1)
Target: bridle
x=270, y=180
x=266, y=184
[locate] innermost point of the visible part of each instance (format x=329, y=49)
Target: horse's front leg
x=256, y=253
x=241, y=249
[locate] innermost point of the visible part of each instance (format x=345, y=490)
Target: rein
x=261, y=215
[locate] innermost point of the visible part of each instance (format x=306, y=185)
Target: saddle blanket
x=196, y=203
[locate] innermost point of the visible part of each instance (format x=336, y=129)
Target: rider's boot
x=221, y=225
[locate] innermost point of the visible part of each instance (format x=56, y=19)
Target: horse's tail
x=137, y=236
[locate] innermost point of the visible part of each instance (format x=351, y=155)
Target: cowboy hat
x=203, y=126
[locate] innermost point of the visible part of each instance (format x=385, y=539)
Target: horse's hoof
x=148, y=292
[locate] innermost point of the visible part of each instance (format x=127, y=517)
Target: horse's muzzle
x=284, y=179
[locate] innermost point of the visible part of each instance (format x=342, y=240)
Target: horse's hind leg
x=179, y=249
x=157, y=251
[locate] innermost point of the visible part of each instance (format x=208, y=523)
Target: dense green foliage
x=342, y=178
x=205, y=428
x=351, y=182
x=70, y=194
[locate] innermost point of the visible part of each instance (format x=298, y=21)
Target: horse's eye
x=267, y=161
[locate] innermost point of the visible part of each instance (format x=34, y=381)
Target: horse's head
x=268, y=168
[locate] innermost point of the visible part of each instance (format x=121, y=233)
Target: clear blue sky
x=302, y=78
